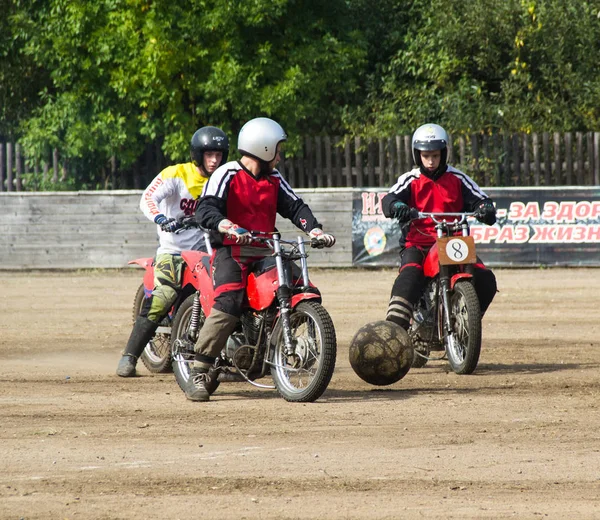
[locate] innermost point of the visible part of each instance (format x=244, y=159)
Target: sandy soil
x=517, y=439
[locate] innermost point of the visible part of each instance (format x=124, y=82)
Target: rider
x=433, y=187
x=240, y=196
x=173, y=193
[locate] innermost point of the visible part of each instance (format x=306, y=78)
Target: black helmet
x=208, y=139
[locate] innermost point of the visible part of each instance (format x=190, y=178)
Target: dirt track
x=518, y=439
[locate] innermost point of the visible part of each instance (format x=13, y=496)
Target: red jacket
x=452, y=192
x=252, y=203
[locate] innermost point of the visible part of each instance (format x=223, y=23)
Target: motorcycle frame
x=447, y=275
x=262, y=291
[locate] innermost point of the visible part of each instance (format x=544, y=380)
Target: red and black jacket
x=252, y=203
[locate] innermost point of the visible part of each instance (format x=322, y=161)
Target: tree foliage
x=109, y=77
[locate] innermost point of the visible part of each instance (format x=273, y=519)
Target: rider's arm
x=159, y=189
x=212, y=205
x=292, y=207
x=474, y=198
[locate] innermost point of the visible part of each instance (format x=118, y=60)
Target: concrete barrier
x=105, y=229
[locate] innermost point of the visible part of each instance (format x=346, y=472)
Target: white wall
x=105, y=229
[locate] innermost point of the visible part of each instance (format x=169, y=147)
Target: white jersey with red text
x=174, y=193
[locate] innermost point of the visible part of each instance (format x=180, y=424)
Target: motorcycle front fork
x=284, y=295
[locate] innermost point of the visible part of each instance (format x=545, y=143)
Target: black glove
x=170, y=225
x=486, y=212
x=400, y=211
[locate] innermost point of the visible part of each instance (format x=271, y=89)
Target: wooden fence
x=536, y=159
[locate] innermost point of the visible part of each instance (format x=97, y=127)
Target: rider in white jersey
x=173, y=193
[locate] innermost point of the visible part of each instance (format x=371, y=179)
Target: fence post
x=55, y=166
x=399, y=155
x=382, y=150
x=485, y=144
x=569, y=157
x=308, y=171
x=9, y=167
x=526, y=161
x=359, y=162
x=328, y=162
x=547, y=161
x=557, y=162
x=2, y=167
x=318, y=162
x=497, y=155
x=338, y=160
x=408, y=160
x=588, y=179
x=579, y=160
x=348, y=158
x=370, y=164
x=506, y=161
x=461, y=151
x=516, y=159
x=596, y=158
x=19, y=169
x=536, y=159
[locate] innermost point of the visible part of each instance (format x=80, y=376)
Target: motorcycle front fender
x=297, y=298
x=459, y=276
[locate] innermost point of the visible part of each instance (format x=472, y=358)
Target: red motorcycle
x=284, y=331
x=157, y=354
x=447, y=317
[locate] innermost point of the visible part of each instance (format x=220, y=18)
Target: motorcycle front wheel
x=156, y=356
x=182, y=347
x=464, y=346
x=303, y=375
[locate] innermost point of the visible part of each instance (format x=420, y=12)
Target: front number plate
x=456, y=250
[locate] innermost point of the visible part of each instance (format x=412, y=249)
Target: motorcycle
x=284, y=331
x=156, y=356
x=447, y=317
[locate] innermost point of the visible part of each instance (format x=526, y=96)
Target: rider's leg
x=229, y=279
x=485, y=286
x=407, y=287
x=167, y=285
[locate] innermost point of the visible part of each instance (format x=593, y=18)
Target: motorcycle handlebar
x=440, y=218
x=187, y=222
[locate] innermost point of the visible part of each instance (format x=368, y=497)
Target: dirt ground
x=520, y=438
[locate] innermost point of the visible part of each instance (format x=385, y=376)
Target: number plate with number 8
x=456, y=250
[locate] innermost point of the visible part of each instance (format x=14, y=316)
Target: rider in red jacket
x=240, y=196
x=432, y=187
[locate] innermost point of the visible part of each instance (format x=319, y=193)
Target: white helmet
x=259, y=138
x=430, y=137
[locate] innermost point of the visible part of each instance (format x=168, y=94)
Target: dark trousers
x=410, y=282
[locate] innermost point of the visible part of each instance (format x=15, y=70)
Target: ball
x=381, y=353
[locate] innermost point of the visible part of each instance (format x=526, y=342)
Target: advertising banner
x=536, y=227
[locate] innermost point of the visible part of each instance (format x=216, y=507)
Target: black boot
x=142, y=333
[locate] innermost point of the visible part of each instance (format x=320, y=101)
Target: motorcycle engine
x=238, y=352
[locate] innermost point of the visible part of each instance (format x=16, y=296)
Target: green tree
x=125, y=73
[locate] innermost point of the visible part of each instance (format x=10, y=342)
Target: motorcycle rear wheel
x=156, y=356
x=182, y=348
x=463, y=356
x=304, y=376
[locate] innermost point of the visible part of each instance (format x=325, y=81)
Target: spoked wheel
x=182, y=347
x=157, y=354
x=304, y=375
x=464, y=345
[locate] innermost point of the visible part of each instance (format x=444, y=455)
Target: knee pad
x=160, y=302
